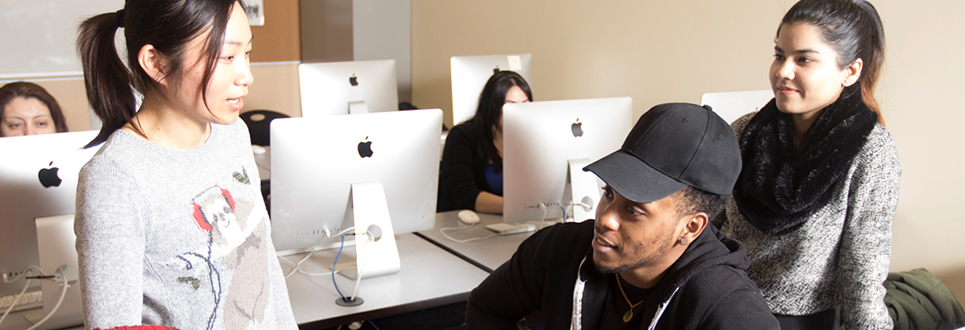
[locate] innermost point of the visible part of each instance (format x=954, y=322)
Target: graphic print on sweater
x=233, y=268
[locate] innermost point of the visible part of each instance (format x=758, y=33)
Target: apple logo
x=577, y=128
x=353, y=80
x=365, y=148
x=48, y=176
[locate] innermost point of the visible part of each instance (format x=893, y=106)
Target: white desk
x=487, y=254
x=429, y=277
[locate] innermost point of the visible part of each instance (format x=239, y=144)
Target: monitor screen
x=38, y=178
x=314, y=162
x=539, y=140
x=470, y=74
x=732, y=105
x=333, y=88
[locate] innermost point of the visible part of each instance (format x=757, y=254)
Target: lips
x=602, y=245
x=786, y=90
x=236, y=103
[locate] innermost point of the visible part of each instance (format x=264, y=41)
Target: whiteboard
x=39, y=36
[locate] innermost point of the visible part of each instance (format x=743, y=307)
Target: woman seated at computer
x=471, y=173
x=27, y=109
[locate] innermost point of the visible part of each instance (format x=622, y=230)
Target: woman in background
x=816, y=197
x=27, y=109
x=171, y=226
x=471, y=172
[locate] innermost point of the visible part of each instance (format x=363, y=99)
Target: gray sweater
x=178, y=237
x=840, y=256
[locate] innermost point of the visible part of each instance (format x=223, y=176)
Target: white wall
x=39, y=36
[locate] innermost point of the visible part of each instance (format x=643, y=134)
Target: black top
x=705, y=289
x=462, y=173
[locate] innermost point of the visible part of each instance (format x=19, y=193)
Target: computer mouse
x=257, y=149
x=468, y=217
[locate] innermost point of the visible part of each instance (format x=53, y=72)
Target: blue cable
x=333, y=267
x=373, y=325
x=564, y=211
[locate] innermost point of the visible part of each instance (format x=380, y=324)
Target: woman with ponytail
x=819, y=188
x=171, y=227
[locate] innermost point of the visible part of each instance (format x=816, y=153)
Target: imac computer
x=545, y=147
x=470, y=74
x=733, y=105
x=38, y=179
x=353, y=87
x=338, y=172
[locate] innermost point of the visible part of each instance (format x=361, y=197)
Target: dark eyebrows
x=238, y=43
x=799, y=51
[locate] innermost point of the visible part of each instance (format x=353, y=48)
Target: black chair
x=259, y=122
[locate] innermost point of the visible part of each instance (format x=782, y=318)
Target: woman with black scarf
x=816, y=197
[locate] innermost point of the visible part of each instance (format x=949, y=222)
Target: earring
x=683, y=240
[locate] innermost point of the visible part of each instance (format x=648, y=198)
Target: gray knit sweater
x=178, y=237
x=840, y=256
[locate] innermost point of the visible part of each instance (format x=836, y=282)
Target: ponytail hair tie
x=119, y=15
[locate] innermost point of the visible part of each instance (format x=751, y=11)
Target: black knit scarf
x=781, y=185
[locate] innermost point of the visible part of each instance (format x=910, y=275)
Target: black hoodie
x=706, y=288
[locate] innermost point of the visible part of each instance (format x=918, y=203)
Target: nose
x=29, y=129
x=786, y=70
x=606, y=217
x=244, y=77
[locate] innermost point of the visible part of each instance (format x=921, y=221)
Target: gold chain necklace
x=629, y=314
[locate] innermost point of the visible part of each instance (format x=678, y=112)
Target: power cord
x=22, y=292
x=443, y=232
x=571, y=205
x=296, y=266
x=63, y=292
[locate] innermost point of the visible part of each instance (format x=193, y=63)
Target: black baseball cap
x=672, y=146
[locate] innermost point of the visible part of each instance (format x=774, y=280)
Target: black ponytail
x=106, y=79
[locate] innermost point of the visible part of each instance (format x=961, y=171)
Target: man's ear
x=150, y=60
x=693, y=225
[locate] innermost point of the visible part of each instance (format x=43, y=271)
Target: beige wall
x=663, y=51
x=275, y=88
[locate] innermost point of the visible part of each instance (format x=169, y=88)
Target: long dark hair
x=30, y=90
x=490, y=109
x=168, y=25
x=853, y=29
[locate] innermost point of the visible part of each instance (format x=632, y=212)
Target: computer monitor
x=320, y=166
x=732, y=105
x=470, y=74
x=38, y=178
x=339, y=88
x=545, y=146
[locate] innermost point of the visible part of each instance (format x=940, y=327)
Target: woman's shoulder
x=738, y=124
x=879, y=151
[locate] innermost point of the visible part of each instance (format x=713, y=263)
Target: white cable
x=358, y=277
x=296, y=267
x=63, y=293
x=572, y=206
x=15, y=301
x=24, y=273
x=543, y=218
x=443, y=232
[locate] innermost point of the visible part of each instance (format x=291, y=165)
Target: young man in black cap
x=651, y=259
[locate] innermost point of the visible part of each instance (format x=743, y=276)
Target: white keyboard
x=30, y=300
